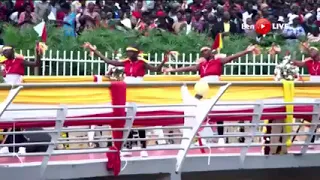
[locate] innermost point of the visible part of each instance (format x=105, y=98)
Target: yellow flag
x=220, y=41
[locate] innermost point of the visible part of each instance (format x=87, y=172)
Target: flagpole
x=36, y=69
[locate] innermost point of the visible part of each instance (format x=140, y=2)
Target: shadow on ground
x=274, y=174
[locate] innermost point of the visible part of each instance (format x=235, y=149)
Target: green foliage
x=111, y=40
x=156, y=42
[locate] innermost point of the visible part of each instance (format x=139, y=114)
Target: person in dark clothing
x=309, y=24
x=226, y=26
x=141, y=134
x=37, y=137
x=28, y=138
x=165, y=22
x=236, y=18
x=9, y=6
x=209, y=26
x=17, y=139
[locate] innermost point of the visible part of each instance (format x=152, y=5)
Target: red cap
x=136, y=14
x=160, y=14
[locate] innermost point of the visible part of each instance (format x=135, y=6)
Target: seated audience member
x=27, y=17
x=294, y=30
x=197, y=22
x=313, y=35
x=180, y=23
x=105, y=18
x=226, y=26
x=69, y=20
x=41, y=10
x=91, y=17
x=19, y=5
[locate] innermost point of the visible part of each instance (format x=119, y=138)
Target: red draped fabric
x=118, y=97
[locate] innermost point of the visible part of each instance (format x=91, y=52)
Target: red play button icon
x=263, y=26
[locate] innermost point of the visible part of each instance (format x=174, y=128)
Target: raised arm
x=301, y=63
x=193, y=68
x=99, y=54
x=35, y=63
x=237, y=55
x=107, y=60
x=61, y=22
x=305, y=47
x=159, y=67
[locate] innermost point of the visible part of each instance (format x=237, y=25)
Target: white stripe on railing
x=77, y=63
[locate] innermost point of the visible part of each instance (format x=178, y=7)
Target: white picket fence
x=63, y=63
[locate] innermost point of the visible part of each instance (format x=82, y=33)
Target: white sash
x=314, y=79
x=131, y=79
x=210, y=79
x=13, y=78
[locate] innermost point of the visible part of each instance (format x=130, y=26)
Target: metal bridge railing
x=253, y=138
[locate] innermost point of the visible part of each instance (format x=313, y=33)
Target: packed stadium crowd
x=203, y=16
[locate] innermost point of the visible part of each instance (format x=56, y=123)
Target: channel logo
x=264, y=26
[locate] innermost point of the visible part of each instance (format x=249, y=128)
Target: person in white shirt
x=53, y=6
x=42, y=10
x=188, y=23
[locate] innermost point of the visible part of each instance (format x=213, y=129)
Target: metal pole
x=258, y=109
x=200, y=117
x=315, y=119
x=131, y=113
x=61, y=116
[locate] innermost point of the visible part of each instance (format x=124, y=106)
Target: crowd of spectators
x=180, y=16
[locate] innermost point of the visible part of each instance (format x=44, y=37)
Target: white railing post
x=85, y=64
x=202, y=108
x=64, y=71
x=257, y=113
x=249, y=64
x=50, y=62
x=71, y=63
x=131, y=114
x=61, y=116
x=313, y=128
x=6, y=103
x=57, y=62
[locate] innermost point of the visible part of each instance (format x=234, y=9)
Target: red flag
x=217, y=43
x=44, y=34
x=41, y=31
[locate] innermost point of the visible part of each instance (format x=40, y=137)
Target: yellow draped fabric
x=1, y=136
x=68, y=79
x=264, y=128
x=172, y=95
x=161, y=94
x=67, y=96
x=288, y=95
